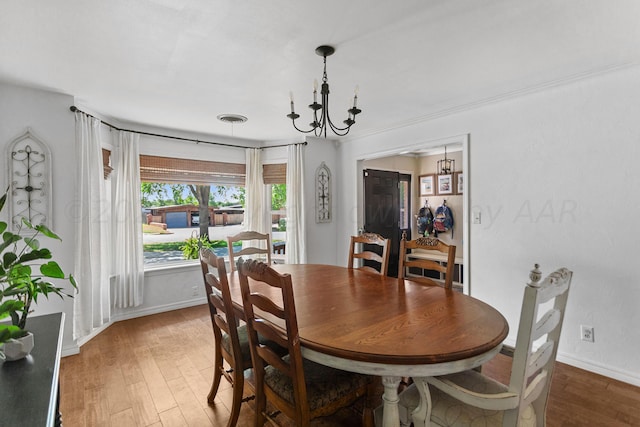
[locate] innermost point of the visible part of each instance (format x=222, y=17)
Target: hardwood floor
x=156, y=371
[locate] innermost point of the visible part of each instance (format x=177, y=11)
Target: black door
x=382, y=210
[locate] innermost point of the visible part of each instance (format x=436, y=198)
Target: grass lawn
x=163, y=247
x=177, y=246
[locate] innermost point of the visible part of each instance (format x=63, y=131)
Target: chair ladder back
x=255, y=239
x=357, y=251
x=258, y=307
x=219, y=297
x=207, y=263
x=429, y=244
x=227, y=344
x=532, y=368
x=268, y=330
x=216, y=298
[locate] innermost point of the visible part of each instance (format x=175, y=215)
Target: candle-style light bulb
x=315, y=90
x=355, y=96
x=291, y=99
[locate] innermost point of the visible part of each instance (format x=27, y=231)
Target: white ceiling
x=180, y=63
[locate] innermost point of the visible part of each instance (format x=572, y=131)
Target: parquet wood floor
x=156, y=371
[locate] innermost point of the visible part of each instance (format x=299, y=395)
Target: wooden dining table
x=393, y=328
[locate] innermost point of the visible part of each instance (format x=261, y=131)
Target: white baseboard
x=132, y=314
x=628, y=377
x=70, y=350
x=625, y=376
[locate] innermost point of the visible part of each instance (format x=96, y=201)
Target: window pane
x=278, y=221
x=172, y=219
x=405, y=201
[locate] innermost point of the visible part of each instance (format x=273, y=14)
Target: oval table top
x=355, y=315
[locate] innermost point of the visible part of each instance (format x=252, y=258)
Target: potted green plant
x=25, y=270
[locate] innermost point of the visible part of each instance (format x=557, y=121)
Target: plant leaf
x=10, y=305
x=8, y=240
x=26, y=222
x=3, y=226
x=20, y=274
x=9, y=331
x=52, y=269
x=8, y=258
x=45, y=230
x=37, y=254
x=3, y=199
x=34, y=244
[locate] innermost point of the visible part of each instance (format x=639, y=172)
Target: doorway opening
x=390, y=215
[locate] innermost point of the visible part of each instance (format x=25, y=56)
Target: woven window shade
x=274, y=173
x=185, y=171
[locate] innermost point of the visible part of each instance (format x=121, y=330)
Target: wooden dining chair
x=231, y=341
x=299, y=388
x=258, y=240
x=470, y=398
x=358, y=250
x=430, y=244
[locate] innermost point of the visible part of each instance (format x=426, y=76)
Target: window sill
x=172, y=266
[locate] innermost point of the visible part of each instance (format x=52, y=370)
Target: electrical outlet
x=477, y=219
x=194, y=291
x=586, y=333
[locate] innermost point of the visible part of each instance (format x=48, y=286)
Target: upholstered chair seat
x=449, y=411
x=324, y=384
x=243, y=338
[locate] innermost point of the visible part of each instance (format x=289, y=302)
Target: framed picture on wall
x=445, y=184
x=427, y=185
x=458, y=179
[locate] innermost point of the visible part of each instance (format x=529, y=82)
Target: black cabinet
x=29, y=387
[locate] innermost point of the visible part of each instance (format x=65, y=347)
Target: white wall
x=555, y=177
x=48, y=116
x=553, y=174
x=167, y=289
x=321, y=237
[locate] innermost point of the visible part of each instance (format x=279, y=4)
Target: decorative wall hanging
x=458, y=179
x=427, y=187
x=323, y=193
x=29, y=181
x=445, y=184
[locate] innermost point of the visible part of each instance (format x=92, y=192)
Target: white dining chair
x=471, y=398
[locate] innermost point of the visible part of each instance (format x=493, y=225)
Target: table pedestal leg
x=390, y=415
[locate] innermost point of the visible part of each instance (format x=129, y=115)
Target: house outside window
x=173, y=221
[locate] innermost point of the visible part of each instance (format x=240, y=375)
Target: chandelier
x=321, y=120
x=446, y=166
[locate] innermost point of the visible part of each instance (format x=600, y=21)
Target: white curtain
x=128, y=260
x=91, y=266
x=296, y=252
x=257, y=210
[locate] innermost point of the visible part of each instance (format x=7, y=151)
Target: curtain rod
x=74, y=109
